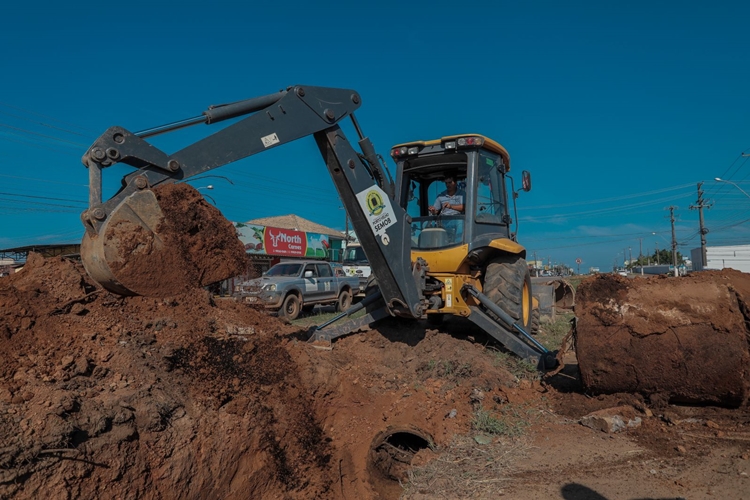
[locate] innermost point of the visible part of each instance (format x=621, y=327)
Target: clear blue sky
x=617, y=109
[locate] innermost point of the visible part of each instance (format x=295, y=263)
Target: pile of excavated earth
x=192, y=396
x=685, y=340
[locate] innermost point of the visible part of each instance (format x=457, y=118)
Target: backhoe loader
x=424, y=265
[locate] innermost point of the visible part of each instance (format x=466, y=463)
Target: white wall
x=734, y=257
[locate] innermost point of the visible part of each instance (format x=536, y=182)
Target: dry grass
x=553, y=332
x=466, y=469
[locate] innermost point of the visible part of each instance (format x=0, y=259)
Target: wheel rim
x=526, y=303
x=291, y=307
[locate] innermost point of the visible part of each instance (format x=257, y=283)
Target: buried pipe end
x=392, y=451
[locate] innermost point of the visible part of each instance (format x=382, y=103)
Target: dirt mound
x=103, y=396
x=681, y=339
x=106, y=397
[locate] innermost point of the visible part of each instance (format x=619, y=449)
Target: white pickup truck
x=290, y=287
x=356, y=264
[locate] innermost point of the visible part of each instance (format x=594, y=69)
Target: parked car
x=289, y=287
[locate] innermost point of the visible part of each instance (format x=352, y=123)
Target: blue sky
x=617, y=109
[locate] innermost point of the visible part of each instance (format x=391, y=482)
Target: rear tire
x=507, y=283
x=291, y=307
x=344, y=302
x=536, y=324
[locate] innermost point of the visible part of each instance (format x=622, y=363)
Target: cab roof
x=489, y=145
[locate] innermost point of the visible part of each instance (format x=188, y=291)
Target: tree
x=664, y=257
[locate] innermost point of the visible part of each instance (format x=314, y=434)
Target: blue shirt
x=456, y=199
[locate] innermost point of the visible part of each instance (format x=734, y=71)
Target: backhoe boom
x=271, y=121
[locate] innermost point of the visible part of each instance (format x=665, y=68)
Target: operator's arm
x=457, y=208
x=437, y=206
x=441, y=204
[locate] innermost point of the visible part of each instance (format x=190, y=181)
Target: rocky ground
x=196, y=397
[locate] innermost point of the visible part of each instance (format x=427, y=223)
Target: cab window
x=324, y=270
x=310, y=267
x=490, y=189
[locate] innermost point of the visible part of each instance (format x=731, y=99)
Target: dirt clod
x=677, y=339
x=193, y=246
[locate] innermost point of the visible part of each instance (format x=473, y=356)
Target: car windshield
x=284, y=270
x=355, y=254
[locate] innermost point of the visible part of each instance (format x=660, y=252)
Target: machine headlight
x=270, y=287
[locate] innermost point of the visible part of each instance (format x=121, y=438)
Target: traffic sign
x=578, y=260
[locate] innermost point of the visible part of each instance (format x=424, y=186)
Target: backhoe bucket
x=163, y=242
x=128, y=233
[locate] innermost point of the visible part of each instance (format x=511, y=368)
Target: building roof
x=21, y=253
x=297, y=223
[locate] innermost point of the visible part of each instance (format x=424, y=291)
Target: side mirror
x=308, y=274
x=526, y=180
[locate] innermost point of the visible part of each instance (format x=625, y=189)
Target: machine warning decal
x=377, y=208
x=270, y=140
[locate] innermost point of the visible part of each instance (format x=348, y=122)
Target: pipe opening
x=392, y=452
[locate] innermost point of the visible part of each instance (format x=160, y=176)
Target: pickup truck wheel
x=291, y=307
x=344, y=302
x=507, y=283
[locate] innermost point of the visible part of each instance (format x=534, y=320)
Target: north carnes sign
x=285, y=242
x=263, y=240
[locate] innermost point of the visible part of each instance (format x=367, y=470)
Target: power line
x=31, y=132
x=23, y=110
x=607, y=200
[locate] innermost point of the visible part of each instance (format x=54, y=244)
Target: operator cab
x=478, y=166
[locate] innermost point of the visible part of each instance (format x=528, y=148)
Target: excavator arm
x=267, y=122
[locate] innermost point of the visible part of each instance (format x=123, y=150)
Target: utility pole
x=674, y=242
x=640, y=253
x=657, y=254
x=700, y=205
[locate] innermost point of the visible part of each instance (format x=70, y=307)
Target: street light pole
x=700, y=205
x=205, y=195
x=191, y=179
x=733, y=184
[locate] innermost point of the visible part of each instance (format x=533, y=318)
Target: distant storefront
x=279, y=242
x=269, y=240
